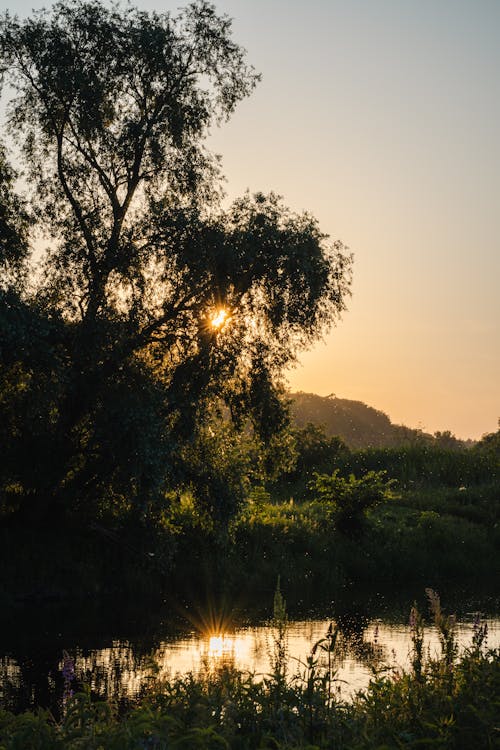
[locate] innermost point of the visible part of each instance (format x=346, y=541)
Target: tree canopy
x=155, y=306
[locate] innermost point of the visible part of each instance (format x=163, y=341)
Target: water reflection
x=225, y=647
x=122, y=669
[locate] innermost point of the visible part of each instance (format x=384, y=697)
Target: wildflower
x=68, y=673
x=413, y=618
x=476, y=622
x=434, y=601
x=68, y=668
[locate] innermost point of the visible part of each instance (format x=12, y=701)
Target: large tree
x=161, y=305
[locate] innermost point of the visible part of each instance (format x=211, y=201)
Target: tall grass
x=414, y=538
x=425, y=465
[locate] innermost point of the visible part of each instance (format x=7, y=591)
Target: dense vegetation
x=338, y=524
x=447, y=701
x=146, y=438
x=143, y=423
x=150, y=338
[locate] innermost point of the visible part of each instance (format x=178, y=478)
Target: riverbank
x=450, y=701
x=442, y=537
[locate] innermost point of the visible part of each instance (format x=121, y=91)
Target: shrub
x=348, y=500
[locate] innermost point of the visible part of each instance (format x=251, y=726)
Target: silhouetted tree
x=489, y=445
x=110, y=109
x=14, y=227
x=447, y=440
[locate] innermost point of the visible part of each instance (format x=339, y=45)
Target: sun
x=218, y=318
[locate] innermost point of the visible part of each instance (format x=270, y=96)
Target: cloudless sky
x=381, y=117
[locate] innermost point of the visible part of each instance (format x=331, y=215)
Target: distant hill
x=359, y=425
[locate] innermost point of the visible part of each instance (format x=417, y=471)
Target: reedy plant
x=446, y=627
x=315, y=684
x=279, y=625
x=417, y=638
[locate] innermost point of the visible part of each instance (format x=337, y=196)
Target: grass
x=426, y=536
x=416, y=537
x=322, y=533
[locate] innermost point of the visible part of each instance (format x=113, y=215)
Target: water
x=250, y=649
x=117, y=667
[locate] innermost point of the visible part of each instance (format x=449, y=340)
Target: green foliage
x=447, y=441
x=14, y=225
x=113, y=367
x=315, y=451
x=407, y=712
x=348, y=500
x=478, y=504
x=489, y=446
x=420, y=537
x=426, y=465
x=442, y=701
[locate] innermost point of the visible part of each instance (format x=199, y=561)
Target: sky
x=380, y=117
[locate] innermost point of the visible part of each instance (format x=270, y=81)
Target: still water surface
x=358, y=653
x=121, y=668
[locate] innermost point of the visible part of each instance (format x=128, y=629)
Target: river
x=116, y=658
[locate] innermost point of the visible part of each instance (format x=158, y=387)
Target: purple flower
x=68, y=673
x=68, y=668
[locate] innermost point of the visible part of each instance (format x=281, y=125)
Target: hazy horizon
x=381, y=119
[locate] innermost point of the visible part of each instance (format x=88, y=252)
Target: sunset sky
x=381, y=117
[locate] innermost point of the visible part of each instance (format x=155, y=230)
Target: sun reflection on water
x=119, y=671
x=224, y=646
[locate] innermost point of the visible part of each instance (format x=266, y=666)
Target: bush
x=348, y=500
